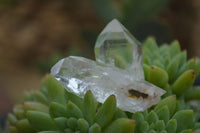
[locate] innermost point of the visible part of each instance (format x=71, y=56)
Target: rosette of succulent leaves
x=52, y=109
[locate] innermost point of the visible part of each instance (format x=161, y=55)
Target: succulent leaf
x=73, y=110
x=40, y=121
x=171, y=126
x=90, y=105
x=163, y=114
x=157, y=76
x=61, y=123
x=56, y=95
x=23, y=126
x=95, y=128
x=57, y=110
x=122, y=125
x=35, y=106
x=184, y=119
x=106, y=112
x=184, y=82
x=170, y=102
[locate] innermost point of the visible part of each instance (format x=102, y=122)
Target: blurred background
x=35, y=34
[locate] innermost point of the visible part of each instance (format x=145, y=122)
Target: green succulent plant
x=54, y=110
x=168, y=68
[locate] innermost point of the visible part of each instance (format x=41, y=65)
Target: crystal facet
x=78, y=75
x=117, y=47
x=117, y=71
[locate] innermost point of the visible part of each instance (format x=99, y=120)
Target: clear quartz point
x=117, y=47
x=78, y=75
x=117, y=71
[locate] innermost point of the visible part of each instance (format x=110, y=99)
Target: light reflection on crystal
x=117, y=71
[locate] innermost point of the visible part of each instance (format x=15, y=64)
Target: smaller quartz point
x=78, y=75
x=117, y=47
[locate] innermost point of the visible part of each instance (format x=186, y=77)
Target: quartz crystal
x=117, y=47
x=78, y=75
x=117, y=71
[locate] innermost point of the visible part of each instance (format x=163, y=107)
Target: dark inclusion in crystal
x=137, y=93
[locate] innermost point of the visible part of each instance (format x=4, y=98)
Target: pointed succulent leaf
x=174, y=48
x=95, y=128
x=184, y=119
x=182, y=69
x=40, y=121
x=195, y=65
x=73, y=110
x=172, y=70
x=146, y=60
x=106, y=112
x=83, y=126
x=40, y=97
x=145, y=113
x=147, y=53
x=75, y=99
x=159, y=64
x=166, y=61
x=184, y=82
x=170, y=102
x=35, y=106
x=122, y=125
x=12, y=119
x=146, y=69
x=72, y=123
x=182, y=57
x=157, y=76
x=164, y=51
x=163, y=114
x=143, y=127
x=19, y=112
x=61, y=123
x=90, y=106
x=57, y=110
x=151, y=44
x=168, y=91
x=160, y=125
x=119, y=114
x=152, y=117
x=138, y=117
x=23, y=126
x=171, y=126
x=55, y=90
